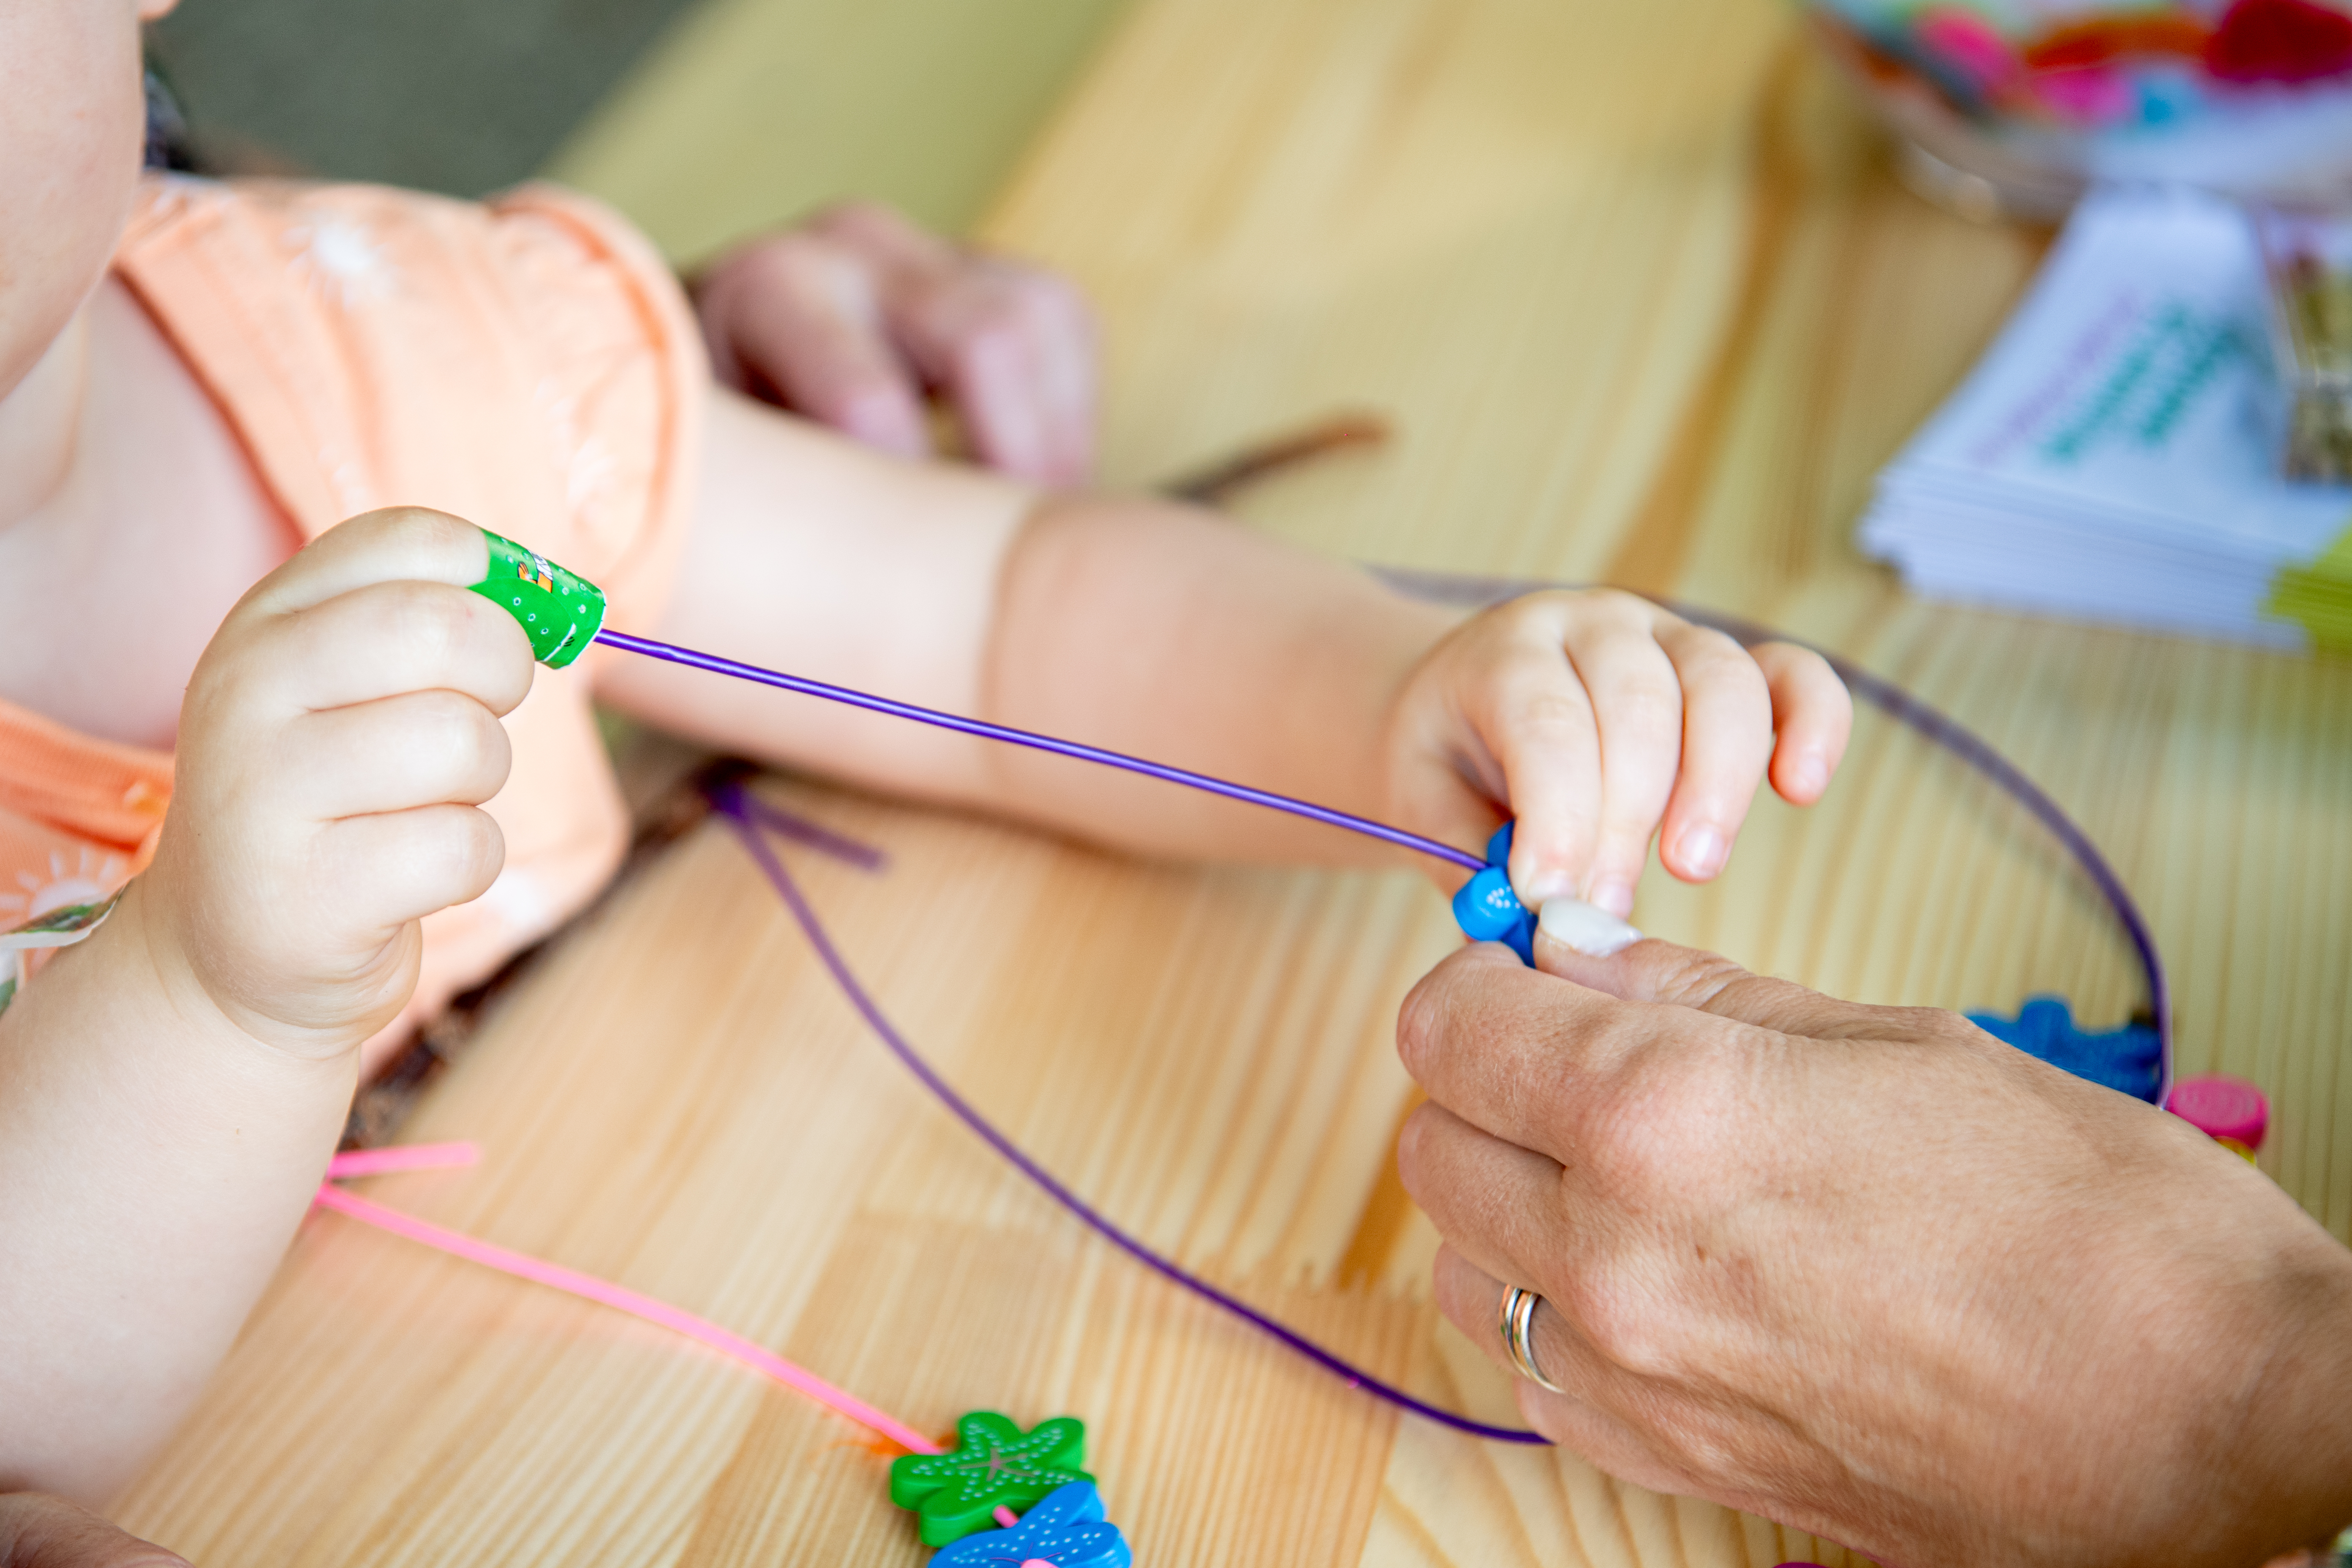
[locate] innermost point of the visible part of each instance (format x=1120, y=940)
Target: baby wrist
x=204, y=1007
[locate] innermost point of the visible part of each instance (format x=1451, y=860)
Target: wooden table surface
x=1645, y=305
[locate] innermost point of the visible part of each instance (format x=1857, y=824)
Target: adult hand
x=850, y=317
x=1870, y=1272
x=37, y=1531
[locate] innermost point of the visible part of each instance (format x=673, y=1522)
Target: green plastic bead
x=559, y=610
x=993, y=1465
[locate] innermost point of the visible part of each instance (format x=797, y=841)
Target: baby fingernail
x=1615, y=896
x=1808, y=774
x=887, y=420
x=1702, y=852
x=1594, y=932
x=1545, y=886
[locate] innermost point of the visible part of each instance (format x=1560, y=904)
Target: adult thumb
x=1660, y=972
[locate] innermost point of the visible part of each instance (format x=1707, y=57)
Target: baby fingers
x=1812, y=715
x=1615, y=720
x=387, y=638
x=1672, y=721
x=1539, y=722
x=1638, y=702
x=422, y=748
x=1726, y=740
x=401, y=866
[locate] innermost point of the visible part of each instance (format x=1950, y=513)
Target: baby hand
x=851, y=316
x=1597, y=719
x=337, y=737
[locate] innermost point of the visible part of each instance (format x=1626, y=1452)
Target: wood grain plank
x=1639, y=293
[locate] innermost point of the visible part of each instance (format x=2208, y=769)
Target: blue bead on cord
x=2130, y=1058
x=1068, y=1529
x=1488, y=910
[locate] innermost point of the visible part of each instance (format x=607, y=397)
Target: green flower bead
x=993, y=1465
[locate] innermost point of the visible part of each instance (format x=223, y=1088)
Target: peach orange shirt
x=528, y=363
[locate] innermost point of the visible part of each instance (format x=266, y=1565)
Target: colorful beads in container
x=2246, y=97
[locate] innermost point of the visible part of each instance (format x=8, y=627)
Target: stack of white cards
x=2114, y=456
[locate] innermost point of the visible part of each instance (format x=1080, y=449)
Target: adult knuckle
x=1694, y=977
x=1423, y=1020
x=1409, y=1138
x=1622, y=1148
x=1458, y=1295
x=1921, y=1024
x=1652, y=1135
x=1614, y=1316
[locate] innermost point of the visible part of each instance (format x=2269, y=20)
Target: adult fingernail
x=1701, y=850
x=1615, y=896
x=1594, y=932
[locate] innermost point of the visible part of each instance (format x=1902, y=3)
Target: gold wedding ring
x=1518, y=1322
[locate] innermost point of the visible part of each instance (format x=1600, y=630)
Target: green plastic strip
x=2318, y=594
x=560, y=611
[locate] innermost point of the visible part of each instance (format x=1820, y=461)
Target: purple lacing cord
x=739, y=809
x=1896, y=703
x=807, y=688
x=1461, y=589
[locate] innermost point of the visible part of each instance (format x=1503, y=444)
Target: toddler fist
x=337, y=739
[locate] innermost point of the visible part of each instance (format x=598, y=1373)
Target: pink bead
x=2222, y=1107
x=1967, y=41
x=2092, y=96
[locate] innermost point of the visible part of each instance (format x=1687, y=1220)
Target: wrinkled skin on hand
x=1869, y=1272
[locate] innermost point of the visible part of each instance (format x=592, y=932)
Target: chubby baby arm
x=1171, y=633
x=171, y=1089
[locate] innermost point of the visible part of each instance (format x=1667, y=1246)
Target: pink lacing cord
x=522, y=1266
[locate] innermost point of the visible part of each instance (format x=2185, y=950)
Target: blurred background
x=925, y=103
